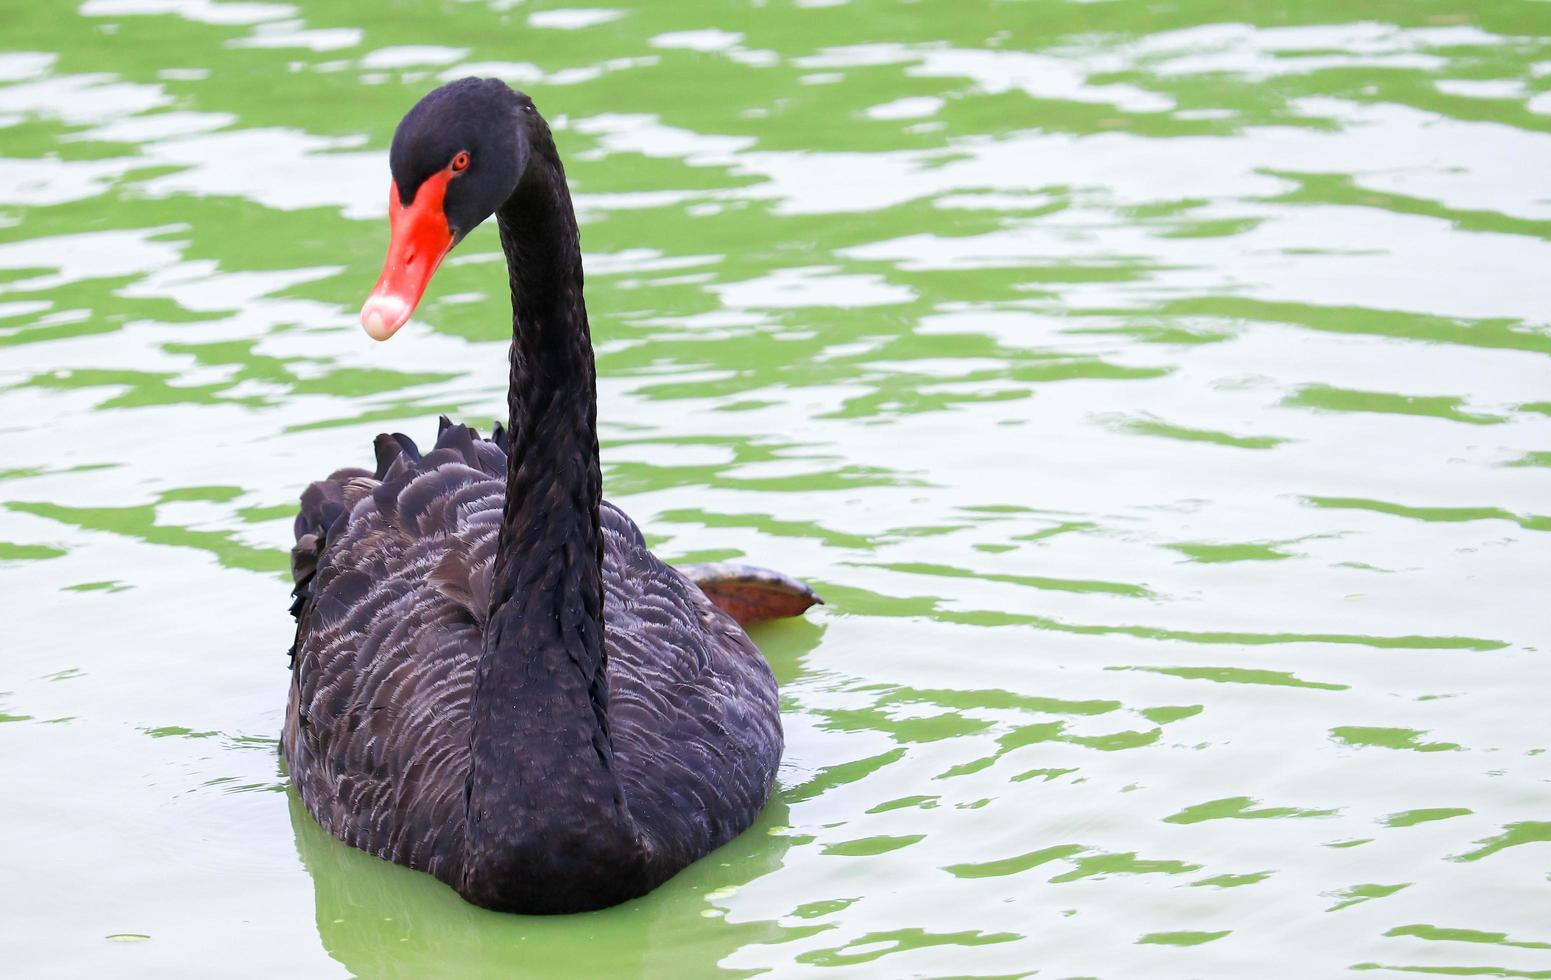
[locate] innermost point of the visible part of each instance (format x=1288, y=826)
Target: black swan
x=493, y=679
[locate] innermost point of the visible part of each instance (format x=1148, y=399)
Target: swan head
x=456, y=157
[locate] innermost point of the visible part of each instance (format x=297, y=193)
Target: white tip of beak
x=383, y=314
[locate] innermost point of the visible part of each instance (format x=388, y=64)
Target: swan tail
x=749, y=594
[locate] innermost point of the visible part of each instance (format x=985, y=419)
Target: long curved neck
x=544, y=803
x=550, y=552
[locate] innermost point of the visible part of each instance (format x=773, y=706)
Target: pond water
x=1159, y=393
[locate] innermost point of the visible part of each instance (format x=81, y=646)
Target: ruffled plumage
x=393, y=574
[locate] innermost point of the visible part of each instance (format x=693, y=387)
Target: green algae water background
x=1160, y=394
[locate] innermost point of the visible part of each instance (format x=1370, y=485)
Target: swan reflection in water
x=380, y=919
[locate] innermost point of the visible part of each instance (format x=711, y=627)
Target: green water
x=1160, y=393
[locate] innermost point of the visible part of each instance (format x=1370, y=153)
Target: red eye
x=460, y=162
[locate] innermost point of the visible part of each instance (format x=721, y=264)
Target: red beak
x=420, y=240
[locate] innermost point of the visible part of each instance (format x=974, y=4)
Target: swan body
x=494, y=680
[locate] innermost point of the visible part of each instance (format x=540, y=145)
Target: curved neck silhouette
x=546, y=824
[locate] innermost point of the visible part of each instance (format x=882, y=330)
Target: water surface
x=1160, y=394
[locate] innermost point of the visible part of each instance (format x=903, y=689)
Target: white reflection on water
x=232, y=12
x=573, y=18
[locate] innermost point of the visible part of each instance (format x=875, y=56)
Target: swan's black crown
x=486, y=118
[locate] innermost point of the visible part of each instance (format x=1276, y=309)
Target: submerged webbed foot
x=750, y=594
